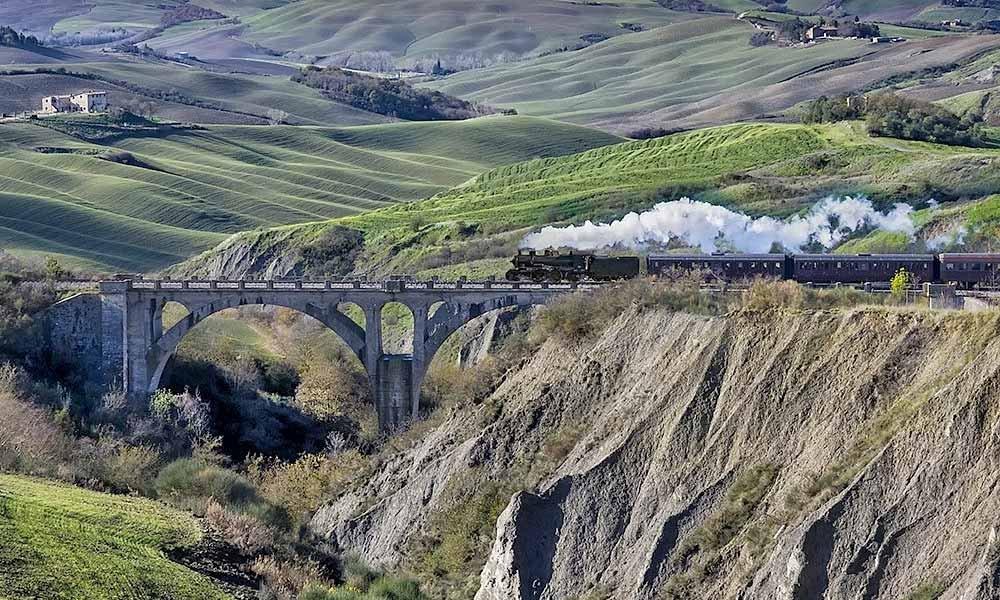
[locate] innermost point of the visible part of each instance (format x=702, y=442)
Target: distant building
x=858, y=103
x=87, y=102
x=57, y=104
x=820, y=32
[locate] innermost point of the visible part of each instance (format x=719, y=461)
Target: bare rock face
x=785, y=455
x=255, y=254
x=485, y=334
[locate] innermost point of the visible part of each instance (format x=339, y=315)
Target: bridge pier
x=124, y=325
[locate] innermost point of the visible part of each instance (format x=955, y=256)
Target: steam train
x=965, y=270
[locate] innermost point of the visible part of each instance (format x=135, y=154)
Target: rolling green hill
x=58, y=541
x=65, y=196
x=759, y=169
x=324, y=27
x=696, y=73
x=179, y=92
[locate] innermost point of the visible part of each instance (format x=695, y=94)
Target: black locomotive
x=554, y=266
x=964, y=270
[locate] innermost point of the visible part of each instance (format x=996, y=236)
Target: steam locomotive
x=965, y=270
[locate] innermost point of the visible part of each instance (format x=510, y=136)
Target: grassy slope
x=231, y=178
x=423, y=27
x=57, y=541
x=253, y=94
x=694, y=73
x=756, y=168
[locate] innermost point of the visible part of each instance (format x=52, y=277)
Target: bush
x=765, y=294
x=333, y=253
x=191, y=484
x=30, y=440
x=120, y=466
x=761, y=38
x=582, y=315
x=285, y=579
x=300, y=487
x=248, y=534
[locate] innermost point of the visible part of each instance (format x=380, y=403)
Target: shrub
x=248, y=534
x=395, y=589
x=766, y=294
x=123, y=467
x=579, y=316
x=191, y=484
x=333, y=388
x=286, y=578
x=300, y=487
x=333, y=253
x=453, y=549
x=30, y=441
x=759, y=39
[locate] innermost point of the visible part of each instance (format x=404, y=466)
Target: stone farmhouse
x=86, y=102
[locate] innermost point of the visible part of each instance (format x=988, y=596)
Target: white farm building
x=87, y=102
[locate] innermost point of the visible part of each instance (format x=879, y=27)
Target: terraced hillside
x=140, y=203
x=58, y=541
x=698, y=73
x=757, y=169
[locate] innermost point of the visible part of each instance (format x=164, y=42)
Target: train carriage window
x=977, y=266
x=949, y=267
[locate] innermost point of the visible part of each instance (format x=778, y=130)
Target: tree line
x=391, y=97
x=12, y=38
x=891, y=115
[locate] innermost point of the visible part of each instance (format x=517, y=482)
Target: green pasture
x=63, y=196
x=67, y=543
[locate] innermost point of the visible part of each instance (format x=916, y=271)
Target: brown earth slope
x=832, y=454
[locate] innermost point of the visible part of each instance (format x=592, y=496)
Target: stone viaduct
x=118, y=339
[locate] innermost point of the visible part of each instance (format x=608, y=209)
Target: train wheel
x=555, y=277
x=538, y=277
x=513, y=276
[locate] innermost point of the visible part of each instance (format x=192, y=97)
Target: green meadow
x=759, y=169
x=62, y=542
x=187, y=189
x=691, y=73
x=427, y=27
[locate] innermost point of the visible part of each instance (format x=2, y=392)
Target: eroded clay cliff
x=779, y=454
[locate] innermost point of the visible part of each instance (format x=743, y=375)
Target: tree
x=276, y=116
x=900, y=282
x=53, y=270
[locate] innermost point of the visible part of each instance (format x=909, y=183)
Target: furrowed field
x=696, y=73
x=142, y=203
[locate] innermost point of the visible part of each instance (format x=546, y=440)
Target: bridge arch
x=164, y=347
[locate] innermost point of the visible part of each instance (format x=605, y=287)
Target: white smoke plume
x=714, y=228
